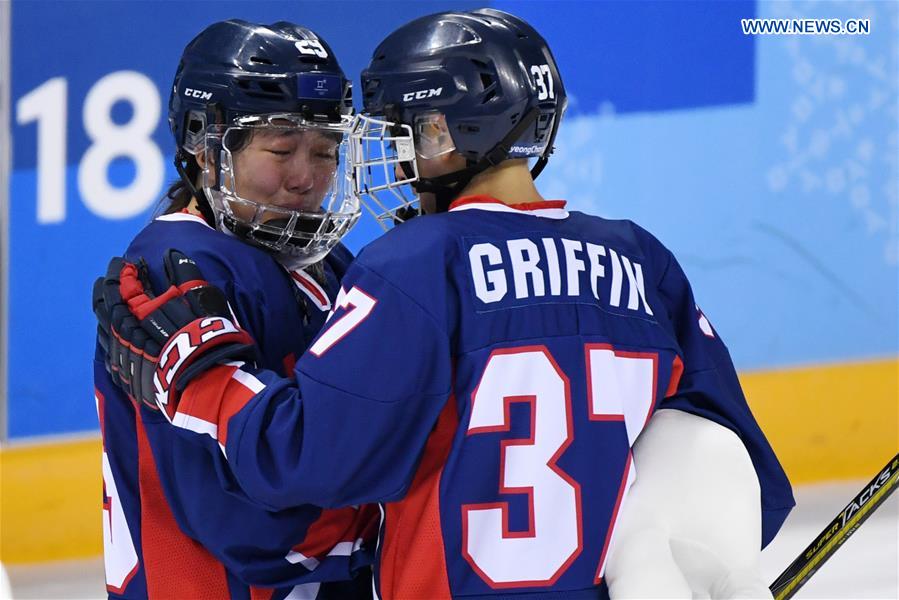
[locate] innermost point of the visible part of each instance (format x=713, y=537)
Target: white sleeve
x=5, y=588
x=690, y=526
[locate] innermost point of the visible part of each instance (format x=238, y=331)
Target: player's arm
x=352, y=427
x=691, y=523
x=369, y=397
x=709, y=388
x=709, y=491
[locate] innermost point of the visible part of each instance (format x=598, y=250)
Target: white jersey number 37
x=621, y=387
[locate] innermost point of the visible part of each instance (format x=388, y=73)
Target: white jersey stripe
x=309, y=286
x=248, y=381
x=294, y=557
x=304, y=591
x=195, y=424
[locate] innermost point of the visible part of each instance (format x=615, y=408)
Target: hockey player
x=260, y=115
x=488, y=366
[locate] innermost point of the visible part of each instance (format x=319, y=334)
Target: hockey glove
x=156, y=344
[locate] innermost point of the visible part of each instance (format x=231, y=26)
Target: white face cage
x=377, y=148
x=296, y=237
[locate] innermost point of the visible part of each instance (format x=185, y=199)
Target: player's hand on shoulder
x=155, y=344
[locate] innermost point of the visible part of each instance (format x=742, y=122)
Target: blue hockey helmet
x=488, y=73
x=236, y=78
x=235, y=68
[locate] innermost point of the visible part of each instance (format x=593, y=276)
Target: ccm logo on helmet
x=191, y=93
x=422, y=94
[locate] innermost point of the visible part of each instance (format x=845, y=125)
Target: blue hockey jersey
x=172, y=526
x=484, y=375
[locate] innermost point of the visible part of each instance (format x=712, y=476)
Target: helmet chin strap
x=447, y=188
x=202, y=203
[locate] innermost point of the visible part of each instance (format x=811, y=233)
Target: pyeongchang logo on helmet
x=319, y=86
x=422, y=94
x=526, y=150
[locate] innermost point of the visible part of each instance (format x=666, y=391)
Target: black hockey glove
x=156, y=344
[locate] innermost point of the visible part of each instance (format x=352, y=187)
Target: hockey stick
x=839, y=530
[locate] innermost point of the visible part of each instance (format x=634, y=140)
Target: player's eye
x=325, y=151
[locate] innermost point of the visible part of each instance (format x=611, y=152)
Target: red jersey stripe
x=312, y=289
x=522, y=206
x=175, y=566
x=413, y=558
x=215, y=396
x=261, y=593
x=337, y=525
x=677, y=369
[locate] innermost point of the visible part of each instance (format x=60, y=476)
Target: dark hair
x=179, y=194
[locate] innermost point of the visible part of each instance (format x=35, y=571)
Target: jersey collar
x=311, y=288
x=305, y=282
x=549, y=209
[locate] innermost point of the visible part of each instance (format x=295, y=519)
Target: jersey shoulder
x=221, y=258
x=623, y=232
x=410, y=257
x=418, y=239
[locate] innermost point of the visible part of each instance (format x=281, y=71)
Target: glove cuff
x=191, y=350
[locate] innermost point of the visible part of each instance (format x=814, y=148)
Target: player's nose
x=300, y=177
